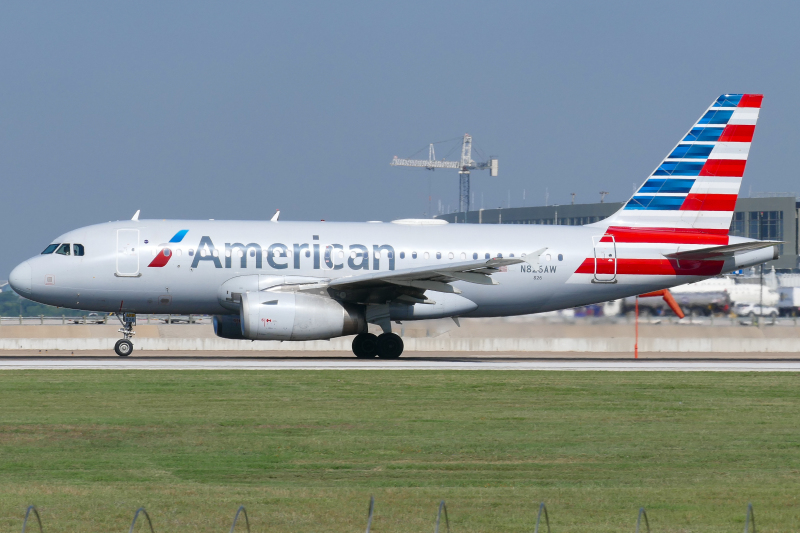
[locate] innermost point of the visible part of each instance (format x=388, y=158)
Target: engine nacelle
x=228, y=326
x=296, y=316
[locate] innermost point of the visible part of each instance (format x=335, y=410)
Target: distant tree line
x=11, y=304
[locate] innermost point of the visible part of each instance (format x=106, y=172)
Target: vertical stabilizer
x=696, y=186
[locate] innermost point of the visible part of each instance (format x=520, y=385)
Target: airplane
x=294, y=281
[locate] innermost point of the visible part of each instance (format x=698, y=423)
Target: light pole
x=761, y=277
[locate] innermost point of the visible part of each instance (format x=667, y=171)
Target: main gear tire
x=365, y=346
x=390, y=346
x=123, y=347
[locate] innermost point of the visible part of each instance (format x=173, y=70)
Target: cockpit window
x=50, y=249
x=77, y=249
x=63, y=249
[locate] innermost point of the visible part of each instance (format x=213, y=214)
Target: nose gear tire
x=123, y=347
x=365, y=345
x=390, y=346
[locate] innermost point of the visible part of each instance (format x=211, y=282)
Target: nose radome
x=20, y=279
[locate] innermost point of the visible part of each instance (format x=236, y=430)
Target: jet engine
x=296, y=316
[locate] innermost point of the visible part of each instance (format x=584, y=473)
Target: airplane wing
x=409, y=284
x=720, y=252
x=436, y=278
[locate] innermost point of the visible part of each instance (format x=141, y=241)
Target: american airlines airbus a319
x=291, y=281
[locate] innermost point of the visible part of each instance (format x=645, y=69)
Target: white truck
x=789, y=303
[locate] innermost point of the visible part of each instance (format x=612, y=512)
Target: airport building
x=769, y=218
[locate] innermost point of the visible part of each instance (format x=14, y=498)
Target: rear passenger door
x=605, y=259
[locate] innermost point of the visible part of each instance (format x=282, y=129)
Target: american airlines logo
x=280, y=256
x=165, y=253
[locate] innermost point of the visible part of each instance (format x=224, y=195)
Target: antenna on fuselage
x=136, y=215
x=275, y=216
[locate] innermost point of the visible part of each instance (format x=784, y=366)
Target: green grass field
x=304, y=450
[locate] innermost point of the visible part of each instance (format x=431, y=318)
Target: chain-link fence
x=642, y=522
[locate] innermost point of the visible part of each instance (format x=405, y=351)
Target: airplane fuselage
x=131, y=266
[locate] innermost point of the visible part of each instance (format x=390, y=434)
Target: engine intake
x=296, y=316
x=228, y=326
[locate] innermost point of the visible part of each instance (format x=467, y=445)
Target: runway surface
x=410, y=363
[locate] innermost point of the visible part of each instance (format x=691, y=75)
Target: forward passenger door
x=128, y=253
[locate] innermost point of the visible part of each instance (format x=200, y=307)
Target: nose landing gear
x=124, y=346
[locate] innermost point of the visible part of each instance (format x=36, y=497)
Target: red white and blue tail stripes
x=697, y=184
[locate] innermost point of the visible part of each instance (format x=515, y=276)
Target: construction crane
x=464, y=166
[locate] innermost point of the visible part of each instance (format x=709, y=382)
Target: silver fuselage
x=121, y=270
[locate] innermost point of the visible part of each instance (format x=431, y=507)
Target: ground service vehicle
x=754, y=310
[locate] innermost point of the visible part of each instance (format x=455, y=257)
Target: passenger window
x=77, y=249
x=50, y=249
x=426, y=255
x=510, y=255
x=499, y=256
x=438, y=255
x=413, y=255
x=475, y=255
x=560, y=257
x=450, y=255
x=63, y=249
x=402, y=255
x=191, y=251
x=488, y=256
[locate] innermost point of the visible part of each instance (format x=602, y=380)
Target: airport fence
x=641, y=526
x=548, y=319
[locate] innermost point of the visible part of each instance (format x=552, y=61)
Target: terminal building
x=770, y=218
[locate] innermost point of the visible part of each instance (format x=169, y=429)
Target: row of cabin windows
x=78, y=250
x=64, y=249
x=353, y=254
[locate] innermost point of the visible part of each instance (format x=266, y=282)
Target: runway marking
x=77, y=363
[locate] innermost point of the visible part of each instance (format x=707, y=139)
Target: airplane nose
x=20, y=279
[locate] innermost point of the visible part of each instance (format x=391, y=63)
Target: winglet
x=136, y=215
x=275, y=216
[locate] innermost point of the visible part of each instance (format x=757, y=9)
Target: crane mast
x=464, y=166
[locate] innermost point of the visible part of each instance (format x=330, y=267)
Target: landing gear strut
x=387, y=346
x=124, y=346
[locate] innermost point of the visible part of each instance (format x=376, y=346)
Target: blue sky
x=232, y=110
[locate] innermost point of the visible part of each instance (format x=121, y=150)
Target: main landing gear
x=386, y=346
x=124, y=346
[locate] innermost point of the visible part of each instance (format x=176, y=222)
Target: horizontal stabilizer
x=717, y=252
